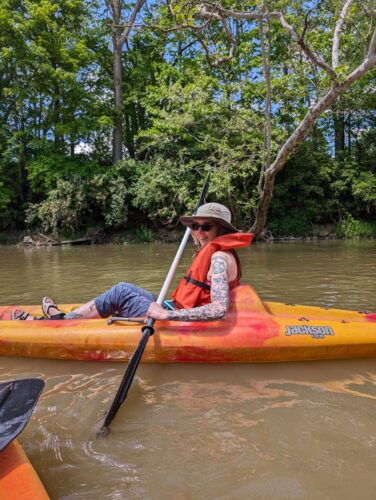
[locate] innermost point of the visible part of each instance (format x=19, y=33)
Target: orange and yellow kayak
x=18, y=479
x=253, y=331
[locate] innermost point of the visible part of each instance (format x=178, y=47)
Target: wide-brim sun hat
x=214, y=212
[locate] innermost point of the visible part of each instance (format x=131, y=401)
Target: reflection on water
x=272, y=431
x=277, y=431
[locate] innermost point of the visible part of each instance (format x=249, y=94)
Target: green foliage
x=355, y=186
x=44, y=172
x=160, y=192
x=181, y=116
x=364, y=190
x=79, y=200
x=64, y=208
x=10, y=215
x=189, y=132
x=294, y=224
x=51, y=94
x=143, y=234
x=5, y=201
x=352, y=228
x=111, y=193
x=5, y=196
x=303, y=189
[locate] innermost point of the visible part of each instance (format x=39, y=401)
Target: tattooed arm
x=219, y=292
x=220, y=298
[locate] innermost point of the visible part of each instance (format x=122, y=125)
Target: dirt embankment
x=161, y=235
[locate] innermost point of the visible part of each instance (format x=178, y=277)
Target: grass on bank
x=297, y=226
x=355, y=228
x=143, y=234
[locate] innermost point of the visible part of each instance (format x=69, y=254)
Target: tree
x=312, y=48
x=192, y=129
x=52, y=98
x=47, y=84
x=120, y=34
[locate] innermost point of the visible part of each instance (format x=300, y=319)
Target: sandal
x=17, y=314
x=47, y=303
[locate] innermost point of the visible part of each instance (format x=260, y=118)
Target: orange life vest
x=193, y=291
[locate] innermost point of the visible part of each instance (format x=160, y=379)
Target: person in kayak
x=202, y=295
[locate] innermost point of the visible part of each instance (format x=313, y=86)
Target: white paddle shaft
x=174, y=265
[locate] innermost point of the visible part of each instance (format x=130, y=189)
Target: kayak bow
x=18, y=479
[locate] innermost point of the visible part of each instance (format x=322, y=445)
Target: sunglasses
x=204, y=227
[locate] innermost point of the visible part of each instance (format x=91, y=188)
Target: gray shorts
x=124, y=299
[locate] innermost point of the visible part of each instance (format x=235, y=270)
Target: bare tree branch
x=306, y=23
x=337, y=33
x=372, y=46
x=315, y=111
x=315, y=58
x=132, y=18
x=217, y=61
x=230, y=38
x=268, y=103
x=215, y=12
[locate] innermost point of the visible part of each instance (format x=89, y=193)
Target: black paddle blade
x=126, y=381
x=17, y=401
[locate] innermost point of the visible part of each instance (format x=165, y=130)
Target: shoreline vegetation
x=113, y=113
x=346, y=229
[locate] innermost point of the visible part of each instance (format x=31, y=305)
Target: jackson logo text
x=316, y=332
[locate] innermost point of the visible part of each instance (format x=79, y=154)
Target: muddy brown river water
x=272, y=431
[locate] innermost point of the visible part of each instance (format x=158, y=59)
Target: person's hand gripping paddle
x=148, y=329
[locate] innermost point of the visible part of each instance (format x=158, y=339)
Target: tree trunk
x=118, y=94
x=263, y=205
x=21, y=171
x=339, y=134
x=118, y=40
x=72, y=145
x=58, y=139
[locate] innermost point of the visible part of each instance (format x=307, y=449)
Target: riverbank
x=349, y=228
x=92, y=236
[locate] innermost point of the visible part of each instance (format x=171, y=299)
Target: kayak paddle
x=148, y=329
x=17, y=401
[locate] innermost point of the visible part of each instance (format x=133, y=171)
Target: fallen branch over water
x=39, y=239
